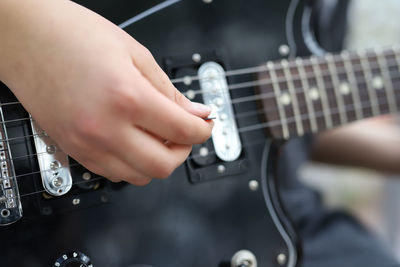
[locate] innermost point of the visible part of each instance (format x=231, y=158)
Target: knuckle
x=93, y=167
x=146, y=52
x=88, y=125
x=163, y=170
x=185, y=133
x=179, y=97
x=125, y=101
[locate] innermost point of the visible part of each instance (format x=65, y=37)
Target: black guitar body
x=198, y=217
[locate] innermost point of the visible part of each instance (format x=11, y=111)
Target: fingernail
x=201, y=107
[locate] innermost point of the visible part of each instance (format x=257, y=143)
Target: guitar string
x=373, y=66
x=19, y=176
x=96, y=178
x=278, y=66
x=306, y=62
x=318, y=114
x=265, y=96
x=248, y=84
x=237, y=116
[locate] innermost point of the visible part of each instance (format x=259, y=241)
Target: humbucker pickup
x=10, y=202
x=215, y=92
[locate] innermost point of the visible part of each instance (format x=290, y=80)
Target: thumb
x=194, y=108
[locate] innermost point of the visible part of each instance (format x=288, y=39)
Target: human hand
x=96, y=91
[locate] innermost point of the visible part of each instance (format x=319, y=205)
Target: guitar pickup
x=10, y=203
x=215, y=92
x=53, y=163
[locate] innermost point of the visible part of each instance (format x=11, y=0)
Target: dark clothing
x=330, y=238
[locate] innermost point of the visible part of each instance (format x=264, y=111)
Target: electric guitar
x=222, y=207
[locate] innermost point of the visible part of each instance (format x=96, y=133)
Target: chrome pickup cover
x=215, y=91
x=53, y=163
x=10, y=202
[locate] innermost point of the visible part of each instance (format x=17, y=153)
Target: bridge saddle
x=53, y=163
x=10, y=202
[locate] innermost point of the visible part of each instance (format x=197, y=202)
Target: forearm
x=372, y=144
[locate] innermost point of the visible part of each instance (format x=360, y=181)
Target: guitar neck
x=319, y=93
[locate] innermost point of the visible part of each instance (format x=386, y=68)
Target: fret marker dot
x=314, y=94
x=377, y=82
x=190, y=94
x=344, y=88
x=285, y=99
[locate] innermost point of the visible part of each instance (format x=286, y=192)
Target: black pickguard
x=170, y=223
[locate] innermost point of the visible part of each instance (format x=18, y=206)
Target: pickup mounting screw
x=221, y=169
x=281, y=259
x=187, y=80
x=196, y=57
x=86, y=176
x=203, y=151
x=284, y=50
x=76, y=201
x=253, y=185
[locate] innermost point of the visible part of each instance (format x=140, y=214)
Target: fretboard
x=318, y=93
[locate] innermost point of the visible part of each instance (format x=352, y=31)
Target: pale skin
x=103, y=98
x=96, y=91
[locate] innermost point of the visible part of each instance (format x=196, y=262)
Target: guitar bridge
x=53, y=163
x=10, y=203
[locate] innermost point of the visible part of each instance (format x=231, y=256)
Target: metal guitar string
x=318, y=114
x=248, y=84
x=336, y=58
x=239, y=115
x=101, y=177
x=269, y=95
x=249, y=144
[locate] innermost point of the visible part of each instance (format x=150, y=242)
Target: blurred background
x=373, y=196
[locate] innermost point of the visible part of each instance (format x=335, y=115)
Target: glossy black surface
x=169, y=223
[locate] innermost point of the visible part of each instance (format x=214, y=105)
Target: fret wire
x=336, y=84
x=368, y=77
x=353, y=81
x=277, y=91
x=292, y=91
x=306, y=90
x=322, y=93
x=388, y=84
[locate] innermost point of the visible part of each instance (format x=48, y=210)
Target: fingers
x=164, y=118
x=151, y=157
x=116, y=171
x=149, y=68
x=106, y=164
